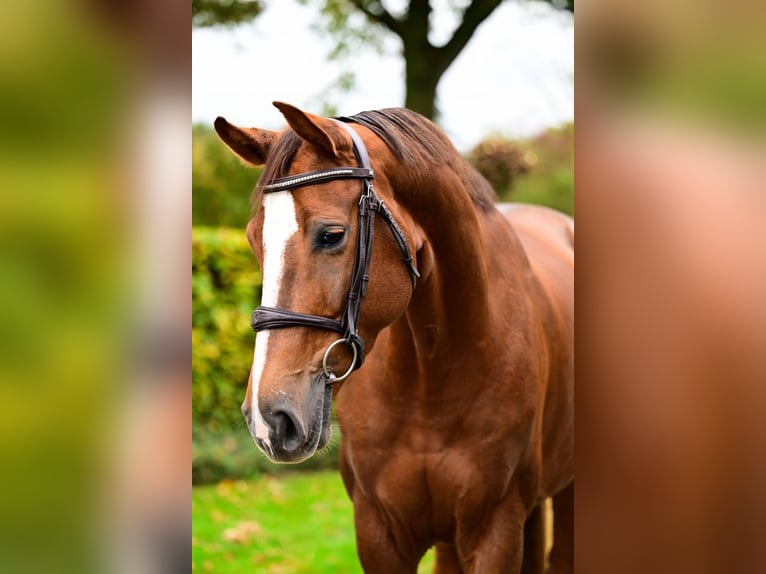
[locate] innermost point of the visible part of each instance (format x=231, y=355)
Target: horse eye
x=331, y=236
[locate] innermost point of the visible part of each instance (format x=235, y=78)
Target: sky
x=514, y=78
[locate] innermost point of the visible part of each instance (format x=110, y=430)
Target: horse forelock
x=280, y=158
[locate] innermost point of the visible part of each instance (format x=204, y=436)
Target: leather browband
x=315, y=177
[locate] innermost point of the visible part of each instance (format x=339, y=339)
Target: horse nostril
x=287, y=433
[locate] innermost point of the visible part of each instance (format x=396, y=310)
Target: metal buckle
x=327, y=372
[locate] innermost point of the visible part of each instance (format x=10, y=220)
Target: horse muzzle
x=290, y=431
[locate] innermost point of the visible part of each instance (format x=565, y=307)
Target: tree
x=425, y=62
x=207, y=13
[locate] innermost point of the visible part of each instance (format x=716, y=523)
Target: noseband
x=369, y=204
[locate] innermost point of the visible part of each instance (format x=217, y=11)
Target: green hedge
x=221, y=183
x=226, y=283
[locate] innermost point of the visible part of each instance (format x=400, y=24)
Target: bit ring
x=328, y=372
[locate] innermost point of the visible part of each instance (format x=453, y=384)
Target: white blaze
x=279, y=225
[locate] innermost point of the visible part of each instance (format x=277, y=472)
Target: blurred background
x=95, y=212
x=671, y=327
x=498, y=77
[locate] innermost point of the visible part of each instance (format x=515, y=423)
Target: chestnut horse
x=447, y=345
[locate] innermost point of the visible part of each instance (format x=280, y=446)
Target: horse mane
x=415, y=140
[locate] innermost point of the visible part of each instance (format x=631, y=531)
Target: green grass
x=292, y=524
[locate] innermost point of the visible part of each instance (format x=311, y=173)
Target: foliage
x=368, y=22
x=499, y=160
x=549, y=179
x=225, y=289
x=221, y=183
x=567, y=5
x=555, y=190
x=207, y=13
x=301, y=523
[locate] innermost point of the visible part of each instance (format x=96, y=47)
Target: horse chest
x=426, y=492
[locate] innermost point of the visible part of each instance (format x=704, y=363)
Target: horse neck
x=451, y=309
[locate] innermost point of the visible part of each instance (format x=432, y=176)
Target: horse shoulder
x=547, y=237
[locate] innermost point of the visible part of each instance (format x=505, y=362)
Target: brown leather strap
x=400, y=239
x=316, y=177
x=272, y=318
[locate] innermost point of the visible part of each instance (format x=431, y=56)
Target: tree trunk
x=421, y=80
x=421, y=75
x=425, y=63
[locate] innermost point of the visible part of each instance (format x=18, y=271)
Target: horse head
x=306, y=236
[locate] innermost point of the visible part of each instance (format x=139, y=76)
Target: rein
x=369, y=204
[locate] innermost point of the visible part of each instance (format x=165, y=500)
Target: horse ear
x=316, y=130
x=251, y=144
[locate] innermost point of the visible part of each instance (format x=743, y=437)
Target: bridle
x=369, y=203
